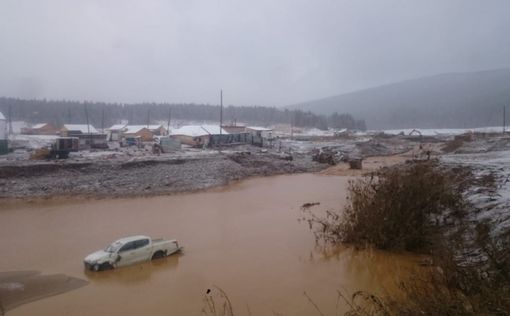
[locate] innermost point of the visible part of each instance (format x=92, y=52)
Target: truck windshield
x=113, y=247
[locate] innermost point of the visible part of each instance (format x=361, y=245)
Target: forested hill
x=106, y=114
x=458, y=100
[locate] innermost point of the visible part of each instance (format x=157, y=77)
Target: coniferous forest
x=103, y=115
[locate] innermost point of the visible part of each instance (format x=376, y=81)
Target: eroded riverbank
x=244, y=238
x=145, y=177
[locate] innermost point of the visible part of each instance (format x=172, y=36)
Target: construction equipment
x=62, y=146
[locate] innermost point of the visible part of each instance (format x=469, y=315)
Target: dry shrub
x=40, y=154
x=446, y=288
x=393, y=209
x=457, y=142
x=450, y=288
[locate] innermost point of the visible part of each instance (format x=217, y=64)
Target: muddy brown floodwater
x=244, y=238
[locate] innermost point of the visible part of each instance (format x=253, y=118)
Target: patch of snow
x=261, y=129
x=12, y=286
x=492, y=206
x=31, y=141
x=315, y=132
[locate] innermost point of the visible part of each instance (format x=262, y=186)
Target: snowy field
x=492, y=206
x=445, y=131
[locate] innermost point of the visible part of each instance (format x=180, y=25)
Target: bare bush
x=216, y=303
x=395, y=208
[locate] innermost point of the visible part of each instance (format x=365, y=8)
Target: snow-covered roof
x=213, y=129
x=133, y=129
x=262, y=129
x=198, y=130
x=81, y=127
x=39, y=125
x=153, y=127
x=116, y=127
x=2, y=117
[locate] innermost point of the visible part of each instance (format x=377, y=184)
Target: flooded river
x=244, y=238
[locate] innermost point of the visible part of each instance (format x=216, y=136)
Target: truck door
x=143, y=249
x=127, y=254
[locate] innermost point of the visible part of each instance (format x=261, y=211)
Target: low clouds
x=259, y=52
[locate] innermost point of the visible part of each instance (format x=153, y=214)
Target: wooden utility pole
x=291, y=125
x=504, y=119
x=169, y=118
x=102, y=121
x=221, y=109
x=87, y=118
x=10, y=119
x=88, y=125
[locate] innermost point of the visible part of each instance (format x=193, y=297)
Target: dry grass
x=216, y=303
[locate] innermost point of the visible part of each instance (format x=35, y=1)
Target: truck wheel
x=96, y=267
x=158, y=255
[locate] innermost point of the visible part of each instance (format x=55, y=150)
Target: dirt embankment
x=121, y=174
x=143, y=177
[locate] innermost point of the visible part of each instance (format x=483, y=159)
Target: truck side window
x=142, y=243
x=128, y=246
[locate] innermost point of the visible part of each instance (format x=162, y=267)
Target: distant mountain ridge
x=453, y=100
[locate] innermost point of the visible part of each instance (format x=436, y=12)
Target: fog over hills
x=454, y=100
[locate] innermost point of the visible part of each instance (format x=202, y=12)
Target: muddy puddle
x=244, y=238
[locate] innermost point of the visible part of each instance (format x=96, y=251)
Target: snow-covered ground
x=31, y=141
x=491, y=205
x=445, y=131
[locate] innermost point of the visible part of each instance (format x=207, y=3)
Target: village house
x=197, y=135
x=157, y=130
x=17, y=126
x=114, y=132
x=234, y=129
x=138, y=131
x=260, y=131
x=74, y=130
x=260, y=136
x=40, y=129
x=88, y=135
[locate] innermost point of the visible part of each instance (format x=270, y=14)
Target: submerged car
x=130, y=250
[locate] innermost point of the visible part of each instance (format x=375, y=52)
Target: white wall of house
x=3, y=127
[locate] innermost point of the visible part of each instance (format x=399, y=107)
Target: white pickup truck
x=130, y=250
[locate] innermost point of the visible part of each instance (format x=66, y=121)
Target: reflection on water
x=244, y=238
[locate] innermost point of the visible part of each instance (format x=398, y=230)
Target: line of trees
x=103, y=115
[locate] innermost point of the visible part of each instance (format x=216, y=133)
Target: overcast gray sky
x=266, y=52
